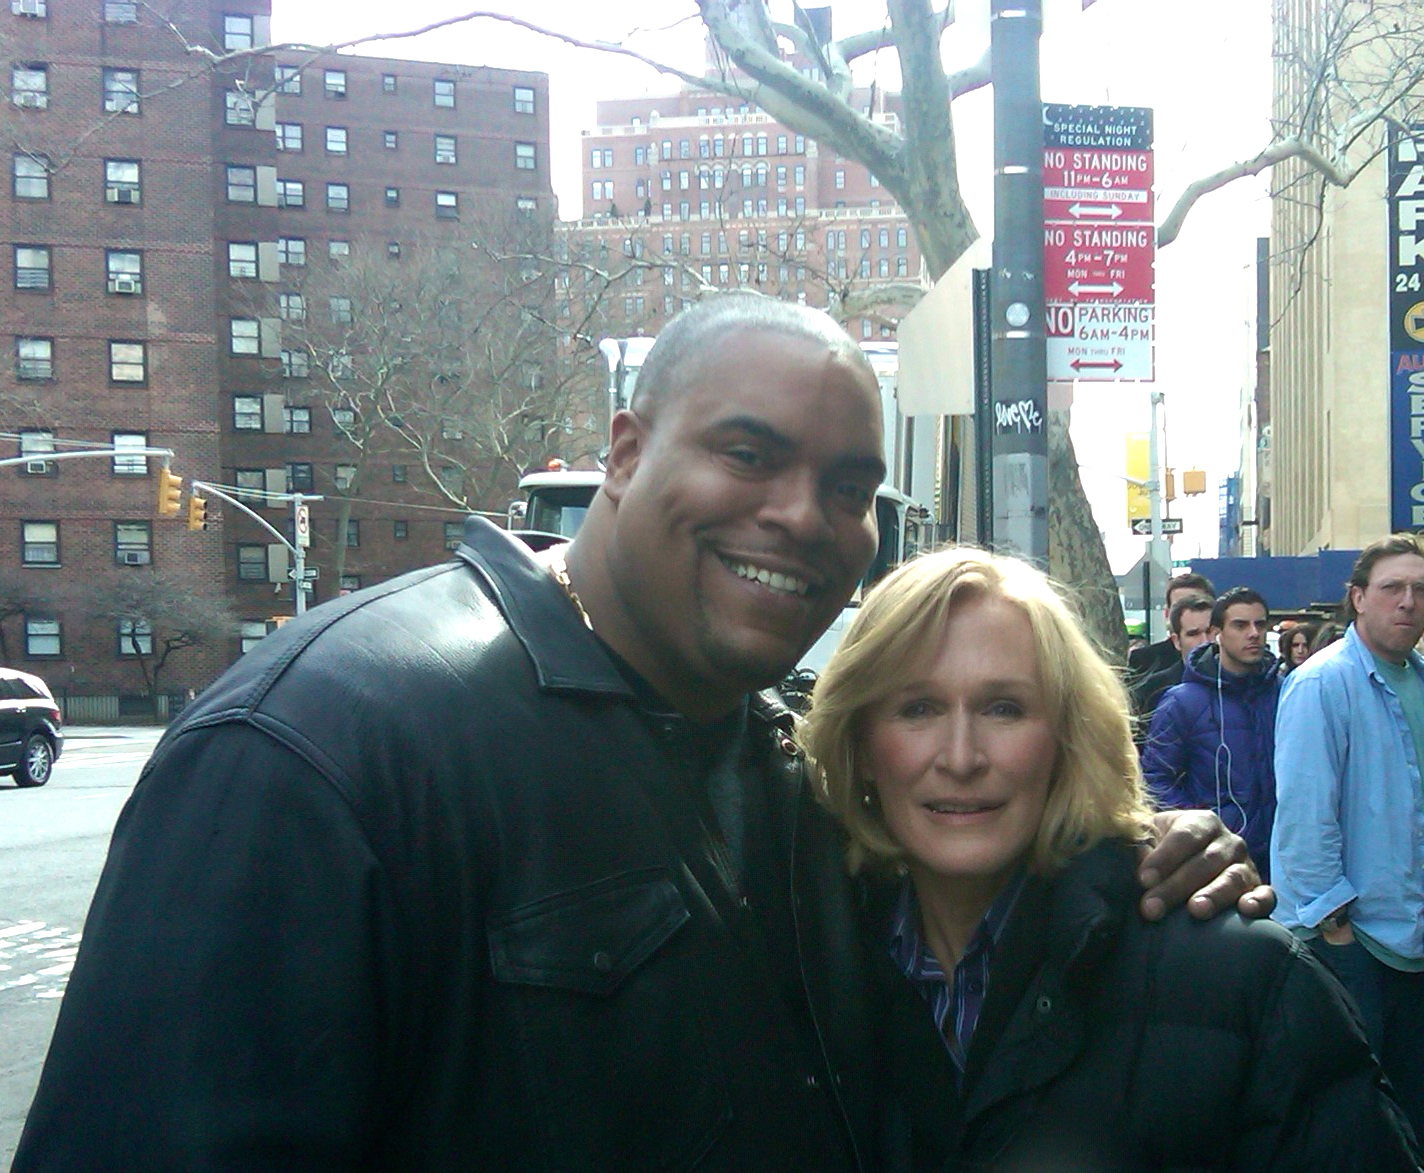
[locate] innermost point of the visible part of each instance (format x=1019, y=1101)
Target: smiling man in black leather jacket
x=502, y=864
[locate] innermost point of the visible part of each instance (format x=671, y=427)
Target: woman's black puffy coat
x=1108, y=1044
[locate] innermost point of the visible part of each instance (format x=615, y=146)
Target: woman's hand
x=1199, y=863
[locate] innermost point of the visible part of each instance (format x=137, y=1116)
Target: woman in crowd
x=1295, y=646
x=977, y=750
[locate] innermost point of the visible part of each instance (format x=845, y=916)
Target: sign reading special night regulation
x=1099, y=241
x=1406, y=327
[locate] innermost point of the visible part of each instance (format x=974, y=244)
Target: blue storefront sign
x=1406, y=327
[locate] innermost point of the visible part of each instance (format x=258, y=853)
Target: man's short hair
x=1182, y=606
x=693, y=334
x=1380, y=548
x=1198, y=584
x=1235, y=595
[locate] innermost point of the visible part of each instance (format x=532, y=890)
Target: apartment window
x=388, y=83
x=350, y=582
x=35, y=445
x=798, y=175
x=247, y=413
x=123, y=270
x=296, y=364
x=338, y=197
x=902, y=266
x=237, y=32
x=299, y=477
x=251, y=482
x=353, y=533
x=128, y=362
x=32, y=269
x=338, y=249
x=336, y=140
x=241, y=184
x=447, y=205
x=339, y=365
x=865, y=238
x=133, y=543
x=251, y=562
x=135, y=637
x=29, y=86
x=122, y=181
x=333, y=83
x=400, y=530
x=30, y=177
x=454, y=534
x=42, y=638
x=398, y=474
x=344, y=418
x=392, y=197
x=128, y=463
x=121, y=11
x=345, y=477
x=393, y=249
x=450, y=478
x=289, y=136
x=839, y=179
x=291, y=250
x=291, y=193
x=340, y=311
x=391, y=139
x=34, y=358
x=289, y=79
x=884, y=237
x=251, y=632
x=245, y=336
x=296, y=421
x=524, y=157
x=445, y=148
x=444, y=92
x=39, y=543
x=240, y=109
x=121, y=91
x=291, y=307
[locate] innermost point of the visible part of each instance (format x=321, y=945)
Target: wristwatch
x=1336, y=920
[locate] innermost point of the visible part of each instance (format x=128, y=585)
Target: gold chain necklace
x=553, y=560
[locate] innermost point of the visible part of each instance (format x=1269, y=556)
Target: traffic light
x=170, y=492
x=197, y=511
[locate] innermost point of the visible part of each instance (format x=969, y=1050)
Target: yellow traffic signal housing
x=197, y=511
x=170, y=493
x=1169, y=486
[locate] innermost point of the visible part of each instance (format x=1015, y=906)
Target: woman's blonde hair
x=1096, y=789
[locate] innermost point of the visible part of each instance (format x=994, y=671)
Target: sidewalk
x=74, y=733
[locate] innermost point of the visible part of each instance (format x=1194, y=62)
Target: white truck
x=555, y=501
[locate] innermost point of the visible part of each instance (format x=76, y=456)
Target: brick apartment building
x=164, y=215
x=712, y=194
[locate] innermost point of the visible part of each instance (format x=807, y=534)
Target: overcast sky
x=1203, y=67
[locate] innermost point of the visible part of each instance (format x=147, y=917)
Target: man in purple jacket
x=1211, y=742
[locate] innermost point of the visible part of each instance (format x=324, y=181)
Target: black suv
x=31, y=730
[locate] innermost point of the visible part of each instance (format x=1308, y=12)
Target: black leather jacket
x=404, y=890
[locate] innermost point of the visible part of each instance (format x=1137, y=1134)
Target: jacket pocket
x=615, y=1054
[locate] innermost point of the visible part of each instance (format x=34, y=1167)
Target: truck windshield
x=558, y=511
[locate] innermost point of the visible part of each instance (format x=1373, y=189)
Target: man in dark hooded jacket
x=1212, y=740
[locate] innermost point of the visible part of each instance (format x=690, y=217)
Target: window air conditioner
x=27, y=100
x=30, y=8
x=121, y=195
x=134, y=557
x=123, y=283
x=37, y=467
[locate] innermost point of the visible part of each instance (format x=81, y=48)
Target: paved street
x=52, y=845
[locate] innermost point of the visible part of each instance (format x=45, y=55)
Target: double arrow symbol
x=1077, y=288
x=1108, y=211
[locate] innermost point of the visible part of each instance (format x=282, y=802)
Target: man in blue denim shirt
x=1347, y=856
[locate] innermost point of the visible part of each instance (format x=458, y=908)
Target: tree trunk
x=1077, y=554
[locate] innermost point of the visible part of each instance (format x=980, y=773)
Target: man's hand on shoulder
x=1199, y=863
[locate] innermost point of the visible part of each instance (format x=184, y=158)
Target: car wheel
x=36, y=762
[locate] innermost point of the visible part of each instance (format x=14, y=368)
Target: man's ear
x=627, y=437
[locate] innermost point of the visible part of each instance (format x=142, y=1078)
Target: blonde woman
x=977, y=750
